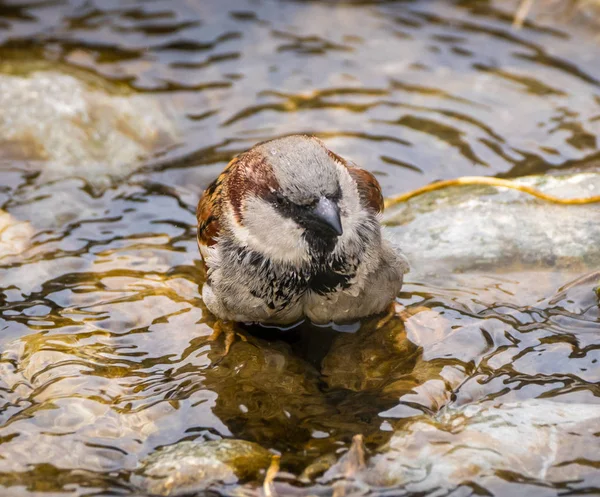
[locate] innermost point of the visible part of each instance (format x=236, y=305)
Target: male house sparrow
x=289, y=230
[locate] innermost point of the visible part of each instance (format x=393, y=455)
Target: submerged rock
x=14, y=235
x=472, y=228
x=49, y=115
x=189, y=467
x=488, y=446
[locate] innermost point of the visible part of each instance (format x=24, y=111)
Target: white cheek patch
x=271, y=234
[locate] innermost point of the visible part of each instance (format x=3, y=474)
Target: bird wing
x=209, y=211
x=367, y=184
x=368, y=188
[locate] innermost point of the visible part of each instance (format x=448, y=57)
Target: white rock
x=14, y=235
x=537, y=439
x=79, y=129
x=460, y=229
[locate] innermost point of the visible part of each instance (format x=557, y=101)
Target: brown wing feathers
x=209, y=209
x=368, y=188
x=248, y=173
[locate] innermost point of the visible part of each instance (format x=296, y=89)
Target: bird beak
x=328, y=214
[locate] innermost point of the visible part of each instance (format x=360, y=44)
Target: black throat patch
x=282, y=285
x=331, y=275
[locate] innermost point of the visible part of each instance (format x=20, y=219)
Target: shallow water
x=103, y=333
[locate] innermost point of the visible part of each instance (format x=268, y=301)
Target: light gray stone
x=472, y=228
x=195, y=466
x=14, y=235
x=79, y=128
x=537, y=440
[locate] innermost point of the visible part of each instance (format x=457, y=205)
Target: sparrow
x=290, y=231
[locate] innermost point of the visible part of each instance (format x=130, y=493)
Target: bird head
x=291, y=199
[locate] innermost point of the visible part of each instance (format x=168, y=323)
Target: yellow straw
x=268, y=489
x=485, y=180
x=522, y=11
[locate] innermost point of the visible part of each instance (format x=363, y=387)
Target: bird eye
x=336, y=196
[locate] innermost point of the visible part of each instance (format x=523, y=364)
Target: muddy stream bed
x=115, y=115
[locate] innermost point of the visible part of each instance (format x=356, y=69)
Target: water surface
x=103, y=332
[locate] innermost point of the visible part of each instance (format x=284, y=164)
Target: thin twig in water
x=270, y=476
x=486, y=180
x=522, y=11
